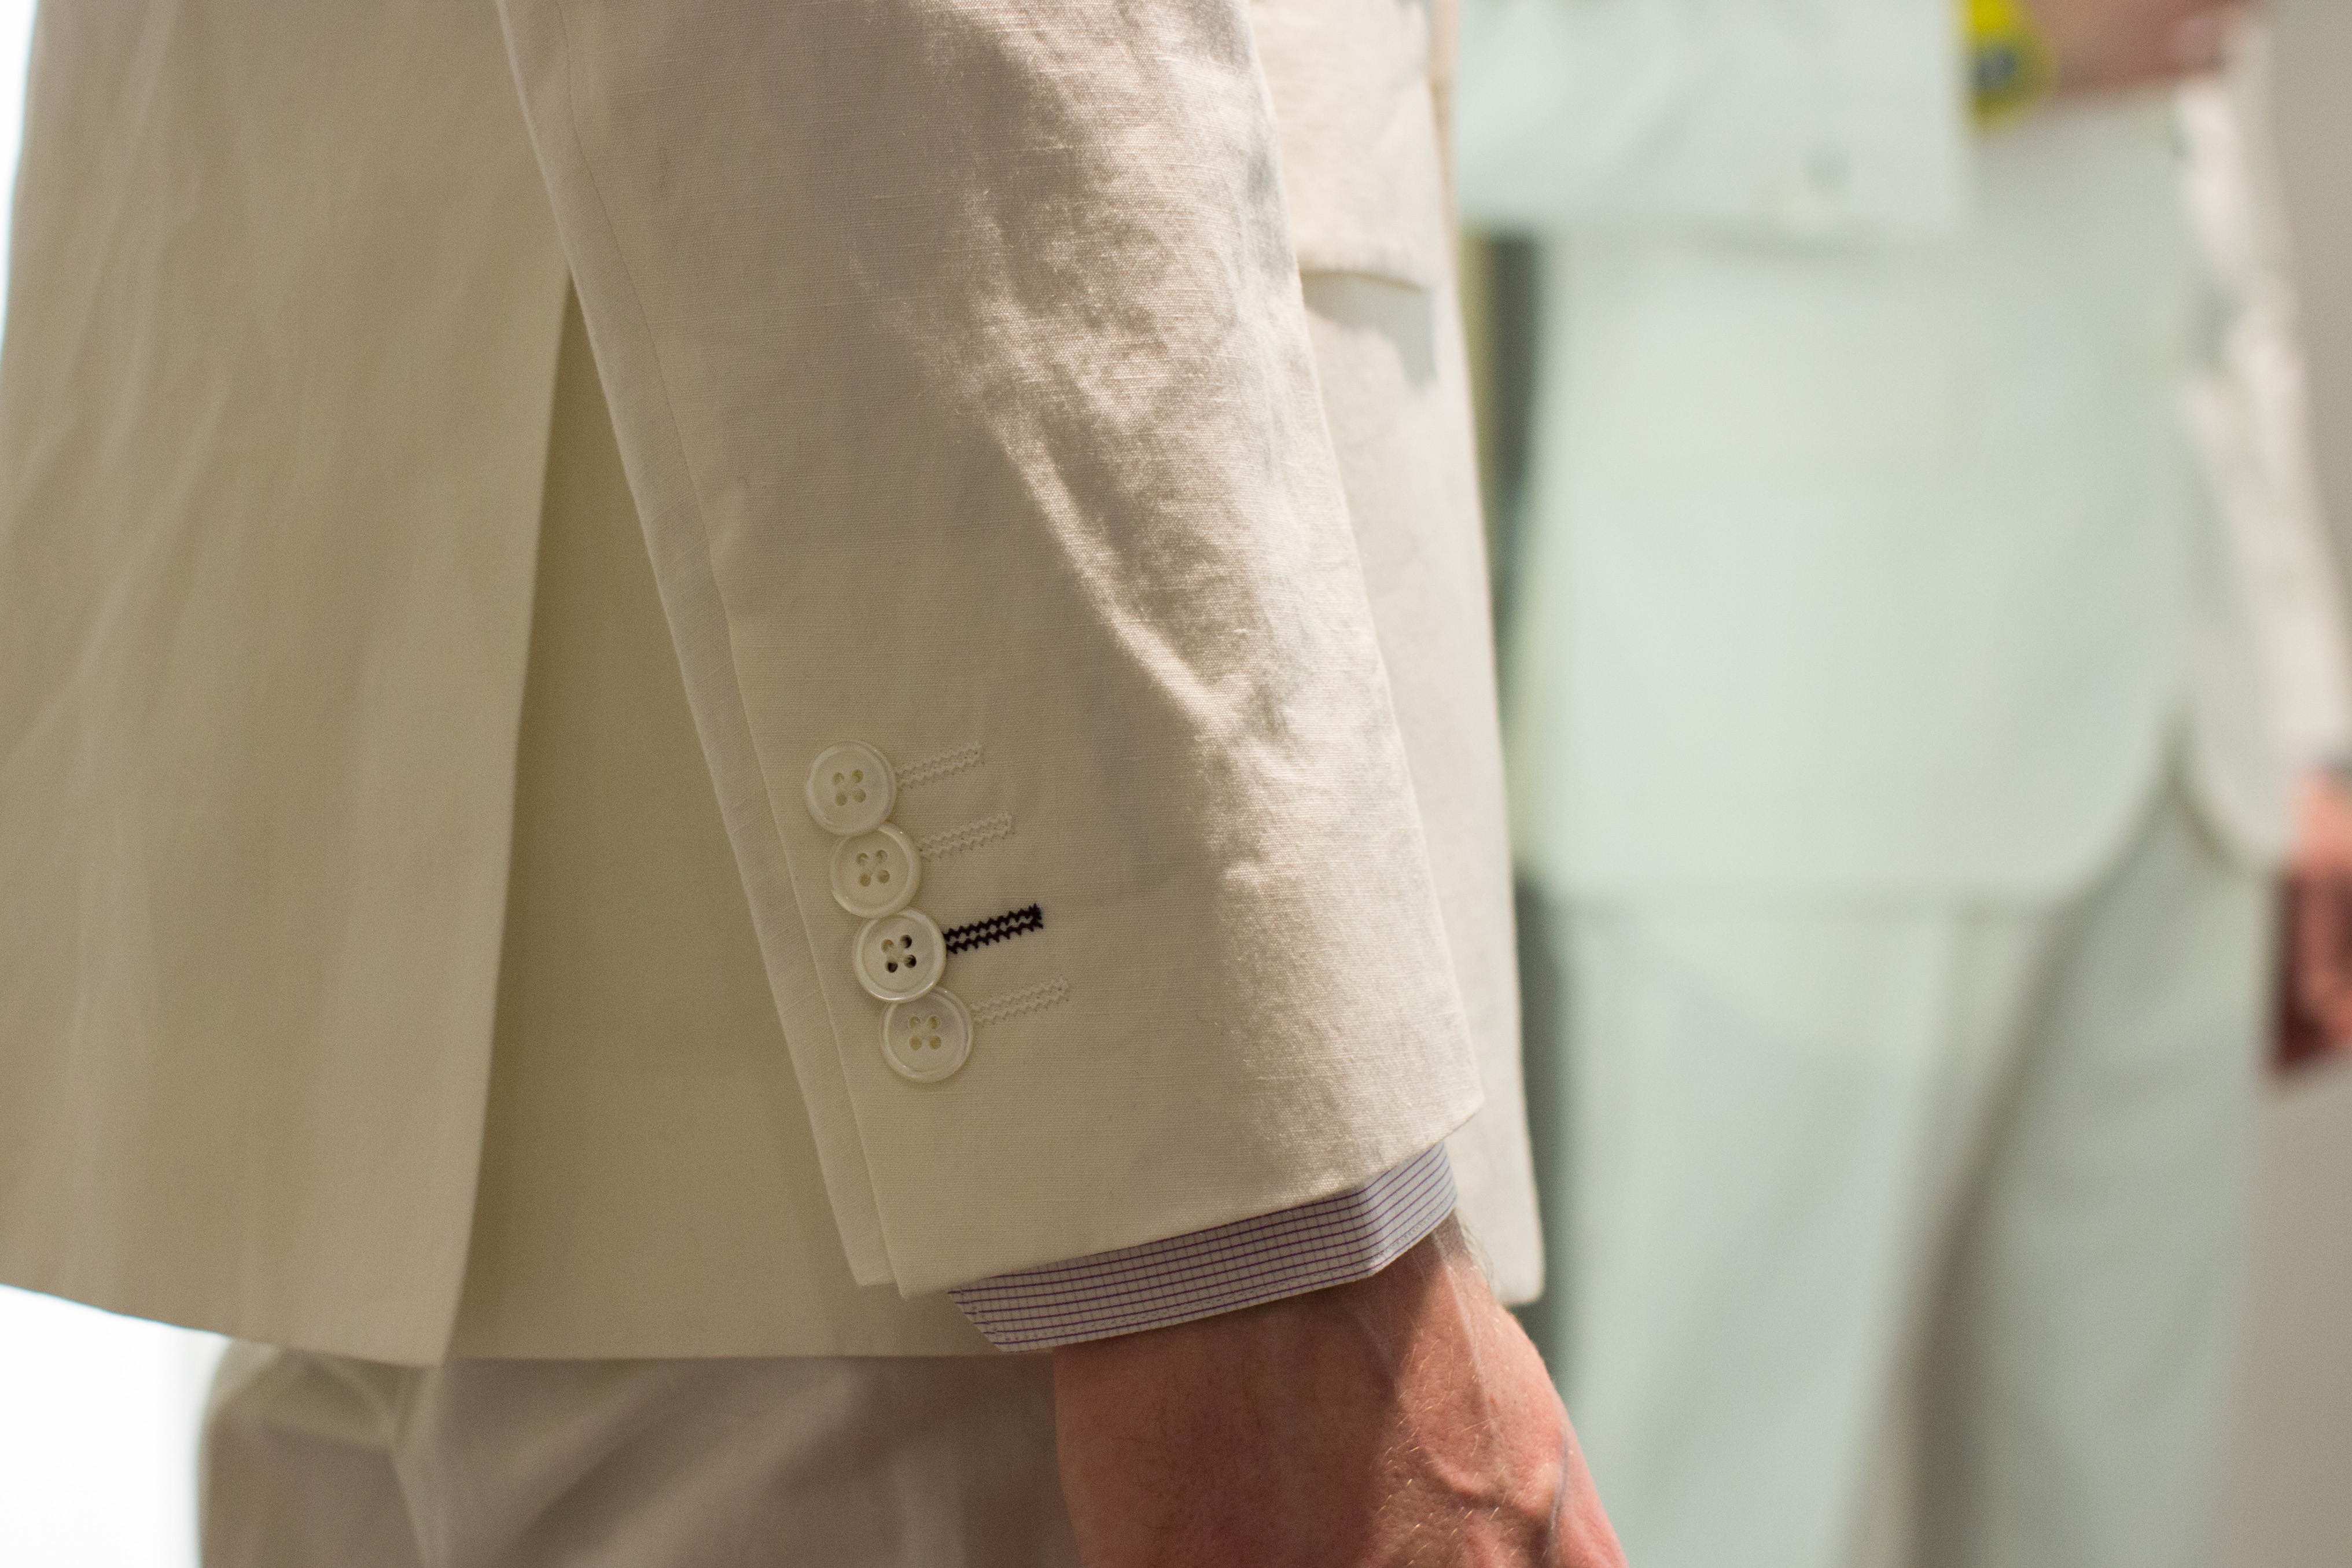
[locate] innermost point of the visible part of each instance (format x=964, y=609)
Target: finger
x=2319, y=936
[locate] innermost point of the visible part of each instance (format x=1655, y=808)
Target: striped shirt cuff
x=1330, y=1241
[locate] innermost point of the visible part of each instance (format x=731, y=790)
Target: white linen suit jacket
x=1873, y=550
x=957, y=356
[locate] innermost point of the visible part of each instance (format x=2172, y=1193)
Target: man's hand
x=1401, y=1420
x=2316, y=1017
x=2111, y=45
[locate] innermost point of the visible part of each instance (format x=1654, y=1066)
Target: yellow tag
x=2010, y=67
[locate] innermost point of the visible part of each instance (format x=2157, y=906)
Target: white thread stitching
x=970, y=836
x=999, y=1008
x=941, y=766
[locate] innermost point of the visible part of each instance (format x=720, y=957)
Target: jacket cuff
x=1331, y=1241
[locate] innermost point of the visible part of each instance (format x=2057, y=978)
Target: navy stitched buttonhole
x=996, y=927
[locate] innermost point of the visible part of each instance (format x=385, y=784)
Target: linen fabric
x=843, y=1462
x=1914, y=1233
x=634, y=1063
x=643, y=1128
x=1047, y=470
x=1030, y=379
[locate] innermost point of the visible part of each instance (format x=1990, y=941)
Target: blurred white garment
x=1889, y=719
x=1864, y=558
x=322, y=1461
x=1819, y=1154
x=2251, y=417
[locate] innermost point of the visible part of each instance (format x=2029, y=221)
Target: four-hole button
x=851, y=789
x=900, y=956
x=926, y=1039
x=875, y=873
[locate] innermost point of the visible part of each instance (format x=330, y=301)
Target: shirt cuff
x=1330, y=1241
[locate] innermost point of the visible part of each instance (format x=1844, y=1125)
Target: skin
x=2116, y=45
x=1403, y=1419
x=2321, y=867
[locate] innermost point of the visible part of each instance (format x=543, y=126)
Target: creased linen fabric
x=974, y=403
x=1001, y=416
x=284, y=304
x=648, y=1184
x=635, y=1076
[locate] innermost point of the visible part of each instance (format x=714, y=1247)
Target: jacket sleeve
x=1804, y=119
x=956, y=352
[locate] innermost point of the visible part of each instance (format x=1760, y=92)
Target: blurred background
x=2289, y=1452
x=98, y=1413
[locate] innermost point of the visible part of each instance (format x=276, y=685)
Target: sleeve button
x=851, y=789
x=876, y=873
x=900, y=956
x=926, y=1039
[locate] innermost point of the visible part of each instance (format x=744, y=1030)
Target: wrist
x=1343, y=1424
